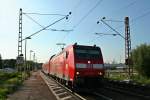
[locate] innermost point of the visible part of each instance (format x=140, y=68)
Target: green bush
x=3, y=93
x=12, y=81
x=136, y=78
x=5, y=76
x=9, y=83
x=141, y=59
x=141, y=79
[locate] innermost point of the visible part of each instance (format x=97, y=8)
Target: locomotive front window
x=87, y=53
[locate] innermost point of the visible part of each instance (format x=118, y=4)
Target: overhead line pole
x=127, y=39
x=29, y=37
x=19, y=61
x=20, y=55
x=128, y=47
x=20, y=34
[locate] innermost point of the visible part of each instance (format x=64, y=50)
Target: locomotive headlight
x=77, y=73
x=71, y=79
x=100, y=73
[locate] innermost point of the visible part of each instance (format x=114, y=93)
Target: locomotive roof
x=76, y=46
x=85, y=46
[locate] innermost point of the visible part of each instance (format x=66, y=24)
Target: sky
x=82, y=22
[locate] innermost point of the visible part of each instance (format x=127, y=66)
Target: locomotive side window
x=66, y=54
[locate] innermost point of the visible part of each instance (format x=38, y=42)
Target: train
x=76, y=66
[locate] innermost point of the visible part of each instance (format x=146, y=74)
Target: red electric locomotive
x=78, y=66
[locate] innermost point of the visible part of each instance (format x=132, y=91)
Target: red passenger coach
x=78, y=66
x=46, y=68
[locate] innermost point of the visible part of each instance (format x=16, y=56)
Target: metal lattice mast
x=20, y=34
x=127, y=45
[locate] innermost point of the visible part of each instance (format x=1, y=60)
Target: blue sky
x=44, y=43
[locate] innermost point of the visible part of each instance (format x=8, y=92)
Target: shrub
x=3, y=93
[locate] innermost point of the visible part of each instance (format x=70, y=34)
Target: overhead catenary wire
x=76, y=6
x=136, y=19
x=141, y=16
x=63, y=30
x=124, y=7
x=110, y=20
x=46, y=27
x=84, y=17
x=132, y=21
x=73, y=9
x=34, y=20
x=113, y=29
x=44, y=14
x=128, y=5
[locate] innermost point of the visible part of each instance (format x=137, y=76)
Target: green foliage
x=6, y=76
x=3, y=93
x=141, y=59
x=136, y=78
x=141, y=80
x=1, y=65
x=9, y=63
x=9, y=83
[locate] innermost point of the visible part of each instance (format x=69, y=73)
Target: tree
x=9, y=63
x=1, y=64
x=141, y=59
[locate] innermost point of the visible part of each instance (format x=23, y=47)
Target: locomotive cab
x=89, y=66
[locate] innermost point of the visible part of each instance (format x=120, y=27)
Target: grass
x=9, y=83
x=141, y=80
x=135, y=78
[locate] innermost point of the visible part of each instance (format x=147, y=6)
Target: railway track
x=130, y=93
x=108, y=92
x=63, y=93
x=124, y=91
x=60, y=92
x=129, y=88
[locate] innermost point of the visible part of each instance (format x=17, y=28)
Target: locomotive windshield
x=88, y=53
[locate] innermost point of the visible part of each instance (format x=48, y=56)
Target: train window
x=81, y=51
x=88, y=53
x=94, y=52
x=66, y=54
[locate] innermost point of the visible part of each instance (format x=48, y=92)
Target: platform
x=34, y=88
